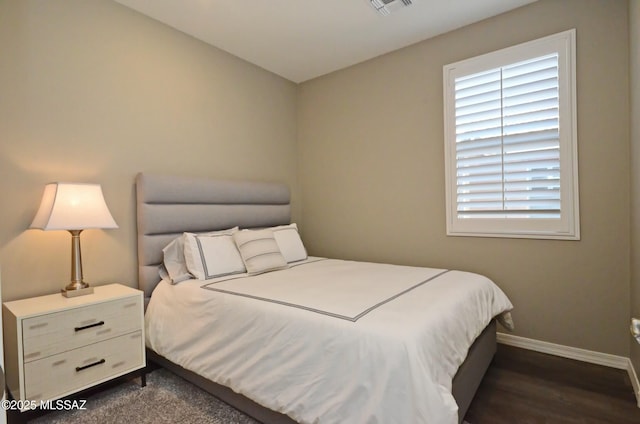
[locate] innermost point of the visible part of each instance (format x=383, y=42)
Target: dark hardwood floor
x=526, y=387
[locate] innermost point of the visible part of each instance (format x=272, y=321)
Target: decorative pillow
x=174, y=266
x=290, y=243
x=259, y=251
x=212, y=255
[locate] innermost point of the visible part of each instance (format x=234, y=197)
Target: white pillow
x=175, y=268
x=259, y=251
x=212, y=255
x=290, y=243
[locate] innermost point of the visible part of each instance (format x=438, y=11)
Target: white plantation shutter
x=507, y=141
x=510, y=142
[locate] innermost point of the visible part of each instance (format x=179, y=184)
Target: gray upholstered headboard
x=167, y=206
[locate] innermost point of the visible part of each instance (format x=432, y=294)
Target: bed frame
x=167, y=206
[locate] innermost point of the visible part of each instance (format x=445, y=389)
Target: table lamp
x=73, y=207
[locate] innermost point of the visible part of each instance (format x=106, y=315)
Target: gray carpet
x=166, y=399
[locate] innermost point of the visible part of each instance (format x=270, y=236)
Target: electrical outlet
x=635, y=328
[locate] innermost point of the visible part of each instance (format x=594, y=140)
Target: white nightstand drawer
x=58, y=332
x=80, y=368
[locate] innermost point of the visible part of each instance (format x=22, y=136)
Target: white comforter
x=330, y=341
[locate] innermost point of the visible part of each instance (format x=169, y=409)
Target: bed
x=285, y=355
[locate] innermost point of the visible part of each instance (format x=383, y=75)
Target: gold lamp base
x=75, y=290
x=76, y=287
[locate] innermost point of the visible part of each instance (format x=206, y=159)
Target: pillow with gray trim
x=290, y=243
x=212, y=255
x=259, y=250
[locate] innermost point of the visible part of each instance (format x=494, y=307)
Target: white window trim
x=568, y=226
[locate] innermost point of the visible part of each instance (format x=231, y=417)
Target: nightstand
x=56, y=346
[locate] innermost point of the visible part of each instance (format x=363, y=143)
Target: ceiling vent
x=385, y=7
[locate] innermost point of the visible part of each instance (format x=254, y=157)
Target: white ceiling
x=303, y=39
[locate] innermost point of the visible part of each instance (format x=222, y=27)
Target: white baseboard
x=634, y=381
x=584, y=355
x=613, y=361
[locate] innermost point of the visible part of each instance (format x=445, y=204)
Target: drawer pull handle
x=84, y=367
x=36, y=326
x=32, y=355
x=85, y=327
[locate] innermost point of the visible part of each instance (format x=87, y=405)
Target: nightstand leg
x=143, y=378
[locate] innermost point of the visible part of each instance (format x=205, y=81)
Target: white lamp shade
x=73, y=206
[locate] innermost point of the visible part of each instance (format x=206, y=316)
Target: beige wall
x=91, y=91
x=634, y=49
x=372, y=173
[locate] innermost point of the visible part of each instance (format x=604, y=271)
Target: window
x=510, y=142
